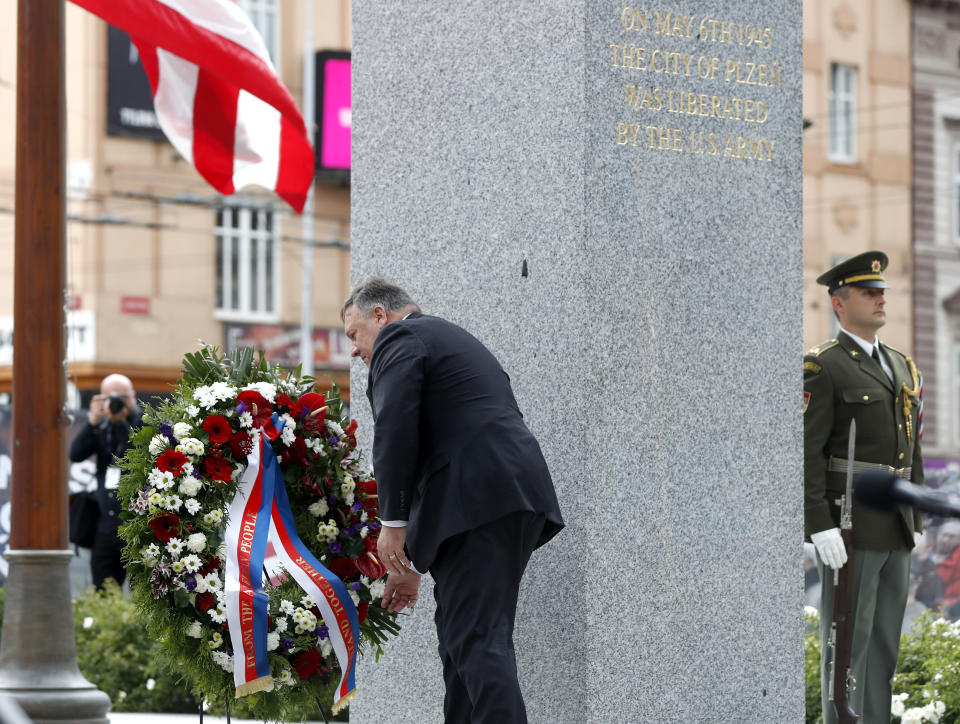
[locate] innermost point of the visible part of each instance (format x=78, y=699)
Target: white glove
x=830, y=547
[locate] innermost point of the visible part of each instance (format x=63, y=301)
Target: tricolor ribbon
x=260, y=512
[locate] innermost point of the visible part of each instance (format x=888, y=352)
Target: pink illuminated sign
x=333, y=95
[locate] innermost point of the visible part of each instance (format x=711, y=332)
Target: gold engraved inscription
x=689, y=83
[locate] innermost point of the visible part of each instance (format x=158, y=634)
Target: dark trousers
x=477, y=580
x=105, y=559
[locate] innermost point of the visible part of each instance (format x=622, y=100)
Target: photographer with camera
x=107, y=435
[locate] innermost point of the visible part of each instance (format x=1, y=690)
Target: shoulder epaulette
x=821, y=348
x=894, y=349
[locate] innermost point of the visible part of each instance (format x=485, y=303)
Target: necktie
x=876, y=356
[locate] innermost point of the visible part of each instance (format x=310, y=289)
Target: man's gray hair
x=378, y=292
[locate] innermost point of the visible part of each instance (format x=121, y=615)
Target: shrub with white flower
x=179, y=480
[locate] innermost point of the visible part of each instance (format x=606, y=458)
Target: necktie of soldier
x=876, y=356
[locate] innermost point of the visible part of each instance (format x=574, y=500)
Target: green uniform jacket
x=841, y=382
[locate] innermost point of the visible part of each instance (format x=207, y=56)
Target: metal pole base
x=38, y=651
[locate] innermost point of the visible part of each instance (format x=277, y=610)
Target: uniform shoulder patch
x=821, y=348
x=893, y=349
x=811, y=366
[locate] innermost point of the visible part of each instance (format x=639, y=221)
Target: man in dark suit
x=463, y=488
x=856, y=376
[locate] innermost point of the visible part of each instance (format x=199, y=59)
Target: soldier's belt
x=839, y=465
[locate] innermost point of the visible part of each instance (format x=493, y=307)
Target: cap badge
x=875, y=266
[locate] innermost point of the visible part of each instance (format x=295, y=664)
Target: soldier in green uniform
x=856, y=376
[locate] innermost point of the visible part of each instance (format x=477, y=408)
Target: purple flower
x=287, y=643
x=334, y=548
x=229, y=652
x=241, y=408
x=334, y=439
x=356, y=507
x=332, y=500
x=322, y=632
x=373, y=525
x=197, y=474
x=191, y=583
x=356, y=585
x=166, y=430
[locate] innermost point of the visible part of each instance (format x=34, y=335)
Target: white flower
x=150, y=554
x=287, y=435
x=192, y=505
x=327, y=531
x=210, y=395
x=159, y=479
x=155, y=498
x=286, y=678
x=265, y=389
x=326, y=647
x=158, y=443
x=896, y=705
x=172, y=502
x=286, y=607
x=364, y=518
x=174, y=546
x=213, y=517
x=315, y=444
x=182, y=430
x=178, y=567
x=355, y=596
x=281, y=626
x=335, y=428
x=305, y=620
x=150, y=684
x=121, y=695
x=364, y=532
x=348, y=486
x=195, y=630
x=246, y=420
x=223, y=660
x=186, y=469
x=307, y=602
x=811, y=612
x=273, y=641
x=193, y=410
x=192, y=562
x=318, y=508
x=88, y=622
x=197, y=542
x=191, y=446
x=237, y=471
x=217, y=614
x=377, y=588
x=215, y=640
x=212, y=581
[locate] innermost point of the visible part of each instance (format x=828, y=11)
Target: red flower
x=216, y=468
x=371, y=502
x=166, y=526
x=311, y=408
x=295, y=453
x=172, y=461
x=362, y=609
x=342, y=568
x=351, y=428
x=205, y=600
x=258, y=406
x=369, y=563
x=240, y=444
x=218, y=428
x=283, y=400
x=213, y=564
x=307, y=663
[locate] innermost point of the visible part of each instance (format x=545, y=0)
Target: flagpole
x=38, y=656
x=306, y=312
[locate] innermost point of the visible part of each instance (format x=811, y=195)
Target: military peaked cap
x=862, y=270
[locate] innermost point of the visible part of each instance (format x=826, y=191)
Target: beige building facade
x=857, y=153
x=936, y=122
x=156, y=258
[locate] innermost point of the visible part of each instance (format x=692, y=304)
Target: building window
x=843, y=110
x=247, y=257
x=265, y=15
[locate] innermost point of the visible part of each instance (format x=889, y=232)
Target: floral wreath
x=180, y=477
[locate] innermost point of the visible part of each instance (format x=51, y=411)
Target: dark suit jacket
x=843, y=383
x=451, y=451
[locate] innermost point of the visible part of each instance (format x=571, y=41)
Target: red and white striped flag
x=216, y=93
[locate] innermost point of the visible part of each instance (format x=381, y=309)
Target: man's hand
x=401, y=591
x=830, y=546
x=390, y=547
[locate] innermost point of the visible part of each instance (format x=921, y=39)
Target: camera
x=116, y=403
